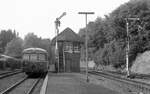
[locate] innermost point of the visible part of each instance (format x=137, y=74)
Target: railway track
x=133, y=85
x=6, y=74
x=26, y=85
x=132, y=75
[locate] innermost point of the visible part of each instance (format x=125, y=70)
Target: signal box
x=69, y=51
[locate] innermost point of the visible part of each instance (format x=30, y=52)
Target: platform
x=74, y=83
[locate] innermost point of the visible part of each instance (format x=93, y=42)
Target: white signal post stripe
x=44, y=86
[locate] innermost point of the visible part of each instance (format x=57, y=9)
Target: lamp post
x=86, y=42
x=128, y=44
x=57, y=24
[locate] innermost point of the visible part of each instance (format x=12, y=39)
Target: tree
x=14, y=47
x=32, y=40
x=5, y=37
x=96, y=35
x=108, y=35
x=139, y=39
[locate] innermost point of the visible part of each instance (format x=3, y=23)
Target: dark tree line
x=11, y=44
x=107, y=36
x=5, y=37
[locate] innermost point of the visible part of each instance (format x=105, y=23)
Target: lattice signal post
x=127, y=43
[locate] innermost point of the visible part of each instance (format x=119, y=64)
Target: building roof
x=67, y=35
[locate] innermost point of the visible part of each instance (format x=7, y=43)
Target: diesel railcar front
x=35, y=61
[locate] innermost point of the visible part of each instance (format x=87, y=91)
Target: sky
x=38, y=16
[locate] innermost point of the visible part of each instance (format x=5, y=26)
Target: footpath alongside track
x=74, y=83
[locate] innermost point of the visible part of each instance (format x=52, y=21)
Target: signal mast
x=57, y=24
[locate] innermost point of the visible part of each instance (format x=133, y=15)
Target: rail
x=133, y=85
x=33, y=86
x=3, y=75
x=13, y=86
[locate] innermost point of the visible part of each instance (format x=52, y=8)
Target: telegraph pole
x=86, y=42
x=128, y=43
x=57, y=24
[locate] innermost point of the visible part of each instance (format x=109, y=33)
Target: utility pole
x=57, y=24
x=128, y=43
x=86, y=42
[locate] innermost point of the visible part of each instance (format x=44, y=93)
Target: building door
x=68, y=65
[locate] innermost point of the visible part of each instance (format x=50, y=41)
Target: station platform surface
x=73, y=83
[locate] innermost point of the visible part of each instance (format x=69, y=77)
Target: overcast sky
x=38, y=16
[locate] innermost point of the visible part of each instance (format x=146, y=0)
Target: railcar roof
x=5, y=57
x=39, y=50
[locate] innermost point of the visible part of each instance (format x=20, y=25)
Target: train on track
x=35, y=61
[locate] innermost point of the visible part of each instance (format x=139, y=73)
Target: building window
x=68, y=47
x=76, y=49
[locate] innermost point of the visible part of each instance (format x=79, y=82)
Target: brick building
x=69, y=46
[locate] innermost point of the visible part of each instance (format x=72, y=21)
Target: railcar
x=9, y=62
x=35, y=61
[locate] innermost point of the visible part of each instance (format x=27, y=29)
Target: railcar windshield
x=26, y=57
x=33, y=57
x=35, y=54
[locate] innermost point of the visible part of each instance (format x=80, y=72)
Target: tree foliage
x=14, y=47
x=5, y=37
x=108, y=35
x=32, y=40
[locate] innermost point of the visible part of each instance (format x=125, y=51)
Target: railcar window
x=42, y=57
x=25, y=57
x=33, y=57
